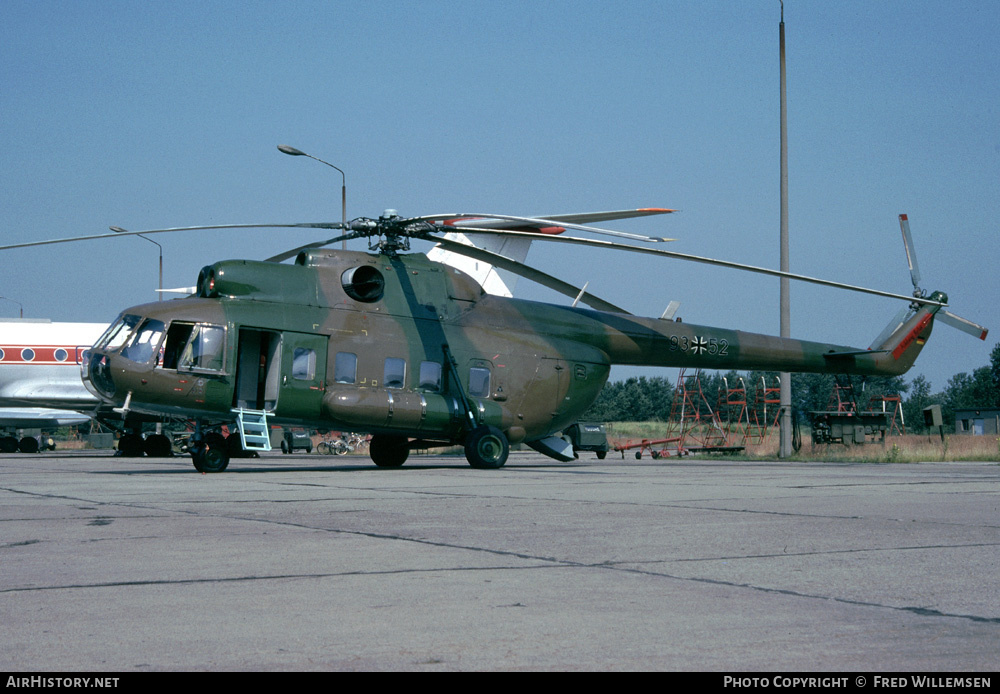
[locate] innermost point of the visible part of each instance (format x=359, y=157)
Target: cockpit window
x=145, y=341
x=115, y=336
x=194, y=347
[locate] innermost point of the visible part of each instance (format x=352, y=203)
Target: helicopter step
x=254, y=431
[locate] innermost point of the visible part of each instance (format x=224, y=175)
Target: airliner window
x=479, y=382
x=145, y=343
x=205, y=349
x=303, y=364
x=345, y=367
x=395, y=372
x=115, y=336
x=364, y=283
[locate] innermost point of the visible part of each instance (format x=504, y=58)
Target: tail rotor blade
x=911, y=254
x=966, y=326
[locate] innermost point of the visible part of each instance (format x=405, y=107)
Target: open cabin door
x=257, y=366
x=280, y=372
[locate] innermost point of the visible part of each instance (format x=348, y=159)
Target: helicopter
x=416, y=353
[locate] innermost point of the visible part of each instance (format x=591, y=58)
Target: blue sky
x=148, y=115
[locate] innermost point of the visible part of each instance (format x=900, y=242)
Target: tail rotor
x=943, y=315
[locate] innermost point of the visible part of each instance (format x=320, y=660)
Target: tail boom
x=651, y=342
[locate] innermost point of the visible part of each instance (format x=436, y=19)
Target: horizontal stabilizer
x=855, y=353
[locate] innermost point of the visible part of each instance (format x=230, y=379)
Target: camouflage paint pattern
x=546, y=363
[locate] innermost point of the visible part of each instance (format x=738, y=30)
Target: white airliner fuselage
x=40, y=384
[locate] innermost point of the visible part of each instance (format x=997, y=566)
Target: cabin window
x=145, y=342
x=28, y=354
x=61, y=354
x=430, y=376
x=194, y=347
x=479, y=382
x=177, y=336
x=345, y=367
x=395, y=373
x=205, y=349
x=303, y=364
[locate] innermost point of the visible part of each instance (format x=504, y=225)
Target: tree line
x=641, y=399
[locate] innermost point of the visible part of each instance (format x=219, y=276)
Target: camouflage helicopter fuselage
x=409, y=349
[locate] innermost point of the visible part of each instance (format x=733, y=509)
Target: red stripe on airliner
x=40, y=354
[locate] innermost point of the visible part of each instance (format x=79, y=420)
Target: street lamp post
x=291, y=151
x=7, y=298
x=119, y=230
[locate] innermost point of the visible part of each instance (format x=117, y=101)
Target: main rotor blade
x=542, y=278
x=588, y=217
x=574, y=218
x=307, y=225
x=544, y=221
x=966, y=326
x=611, y=245
x=315, y=244
x=911, y=253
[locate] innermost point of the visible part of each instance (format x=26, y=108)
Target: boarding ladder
x=254, y=431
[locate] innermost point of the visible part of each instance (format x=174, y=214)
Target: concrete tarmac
x=309, y=562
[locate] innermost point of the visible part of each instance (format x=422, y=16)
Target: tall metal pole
x=119, y=230
x=7, y=298
x=291, y=151
x=785, y=445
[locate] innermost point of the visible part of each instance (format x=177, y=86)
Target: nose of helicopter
x=96, y=375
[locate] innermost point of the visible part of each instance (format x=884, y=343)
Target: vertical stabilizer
x=903, y=345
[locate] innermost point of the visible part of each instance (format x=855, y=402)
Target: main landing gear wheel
x=131, y=445
x=209, y=458
x=486, y=448
x=387, y=450
x=157, y=446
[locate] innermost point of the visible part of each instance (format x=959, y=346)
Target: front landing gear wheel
x=209, y=458
x=486, y=448
x=387, y=450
